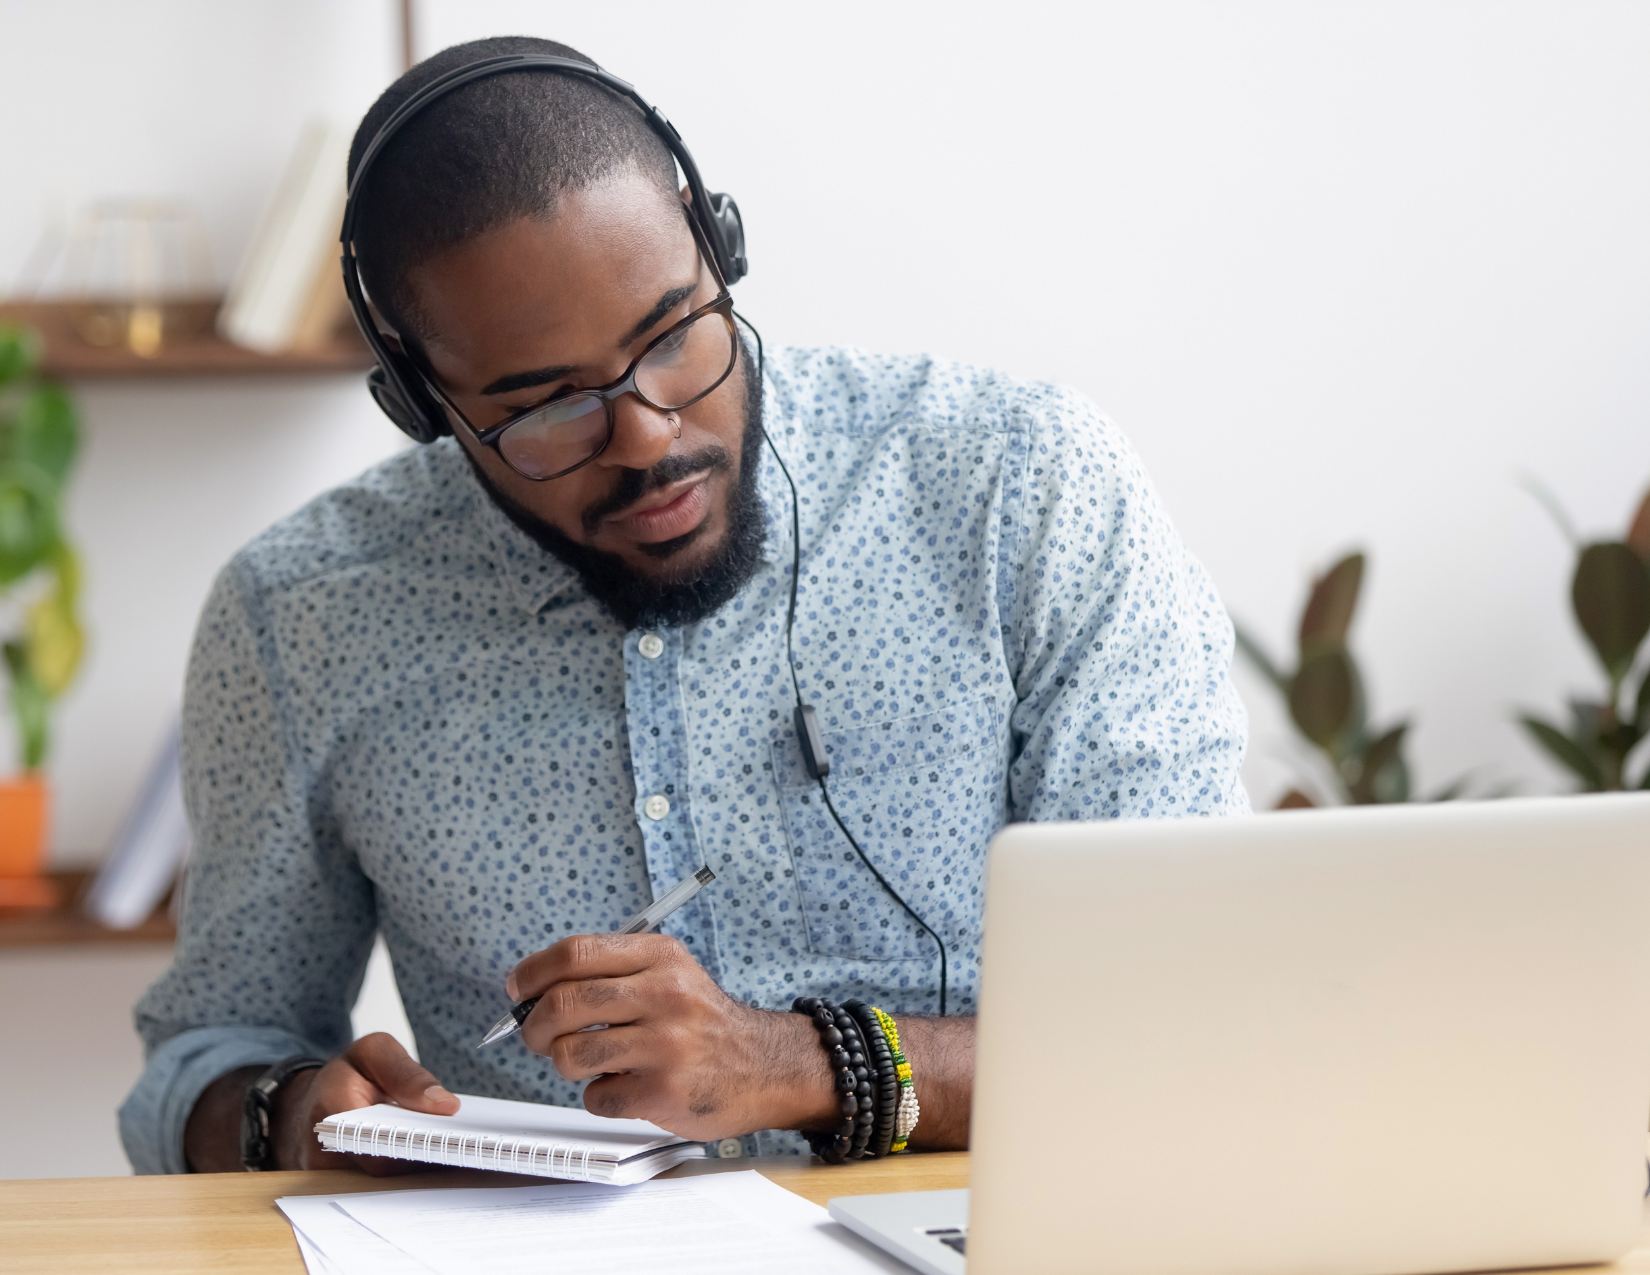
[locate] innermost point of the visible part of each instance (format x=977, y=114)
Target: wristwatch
x=257, y=1144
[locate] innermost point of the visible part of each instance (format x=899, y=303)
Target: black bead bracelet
x=884, y=1078
x=851, y=1073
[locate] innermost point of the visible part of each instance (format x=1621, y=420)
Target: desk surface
x=227, y=1221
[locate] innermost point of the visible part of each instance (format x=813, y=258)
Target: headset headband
x=394, y=383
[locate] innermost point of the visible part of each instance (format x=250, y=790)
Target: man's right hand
x=374, y=1069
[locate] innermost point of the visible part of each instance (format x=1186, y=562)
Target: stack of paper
x=715, y=1224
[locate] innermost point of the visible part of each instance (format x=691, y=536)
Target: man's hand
x=676, y=1050
x=373, y=1069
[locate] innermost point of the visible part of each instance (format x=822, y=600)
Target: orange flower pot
x=23, y=807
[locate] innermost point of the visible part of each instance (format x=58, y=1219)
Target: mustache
x=636, y=483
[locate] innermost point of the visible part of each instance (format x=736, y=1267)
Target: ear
x=687, y=195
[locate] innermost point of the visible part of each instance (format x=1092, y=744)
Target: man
x=493, y=697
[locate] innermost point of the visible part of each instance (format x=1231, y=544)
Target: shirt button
x=656, y=807
x=730, y=1149
x=652, y=646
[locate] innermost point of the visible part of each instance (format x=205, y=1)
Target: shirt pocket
x=922, y=796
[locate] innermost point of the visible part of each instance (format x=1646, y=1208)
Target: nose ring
x=675, y=424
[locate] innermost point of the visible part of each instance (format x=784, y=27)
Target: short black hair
x=494, y=151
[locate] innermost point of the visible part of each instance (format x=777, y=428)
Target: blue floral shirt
x=404, y=716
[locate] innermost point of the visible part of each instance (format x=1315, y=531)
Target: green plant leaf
x=1566, y=752
x=1329, y=608
x=1611, y=596
x=1380, y=755
x=1638, y=533
x=1641, y=714
x=1256, y=655
x=30, y=705
x=47, y=432
x=1555, y=508
x=28, y=520
x=54, y=643
x=1321, y=696
x=19, y=352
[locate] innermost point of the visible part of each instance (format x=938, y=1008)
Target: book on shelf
x=287, y=293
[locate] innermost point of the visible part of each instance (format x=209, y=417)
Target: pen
x=645, y=920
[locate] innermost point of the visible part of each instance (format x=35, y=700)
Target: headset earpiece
x=727, y=231
x=411, y=417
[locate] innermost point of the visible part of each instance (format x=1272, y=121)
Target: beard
x=640, y=601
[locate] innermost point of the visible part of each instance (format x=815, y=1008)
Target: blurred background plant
x=39, y=569
x=1610, y=595
x=1327, y=704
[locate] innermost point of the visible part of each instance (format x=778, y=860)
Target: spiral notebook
x=514, y=1137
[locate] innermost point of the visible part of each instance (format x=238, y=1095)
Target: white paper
x=334, y=1243
x=314, y=1263
x=715, y=1224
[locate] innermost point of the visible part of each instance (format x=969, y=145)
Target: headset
x=397, y=384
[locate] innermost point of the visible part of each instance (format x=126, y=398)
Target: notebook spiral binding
x=564, y=1160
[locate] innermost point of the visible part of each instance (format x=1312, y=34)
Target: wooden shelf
x=70, y=358
x=66, y=924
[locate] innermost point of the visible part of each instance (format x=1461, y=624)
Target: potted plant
x=1610, y=596
x=40, y=633
x=1325, y=696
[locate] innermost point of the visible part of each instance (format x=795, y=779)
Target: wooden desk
x=227, y=1221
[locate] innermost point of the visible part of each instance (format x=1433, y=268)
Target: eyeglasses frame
x=609, y=393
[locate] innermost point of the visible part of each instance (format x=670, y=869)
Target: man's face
x=534, y=307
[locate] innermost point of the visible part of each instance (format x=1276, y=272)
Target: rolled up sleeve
x=278, y=919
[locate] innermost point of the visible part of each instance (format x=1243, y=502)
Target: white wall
x=1340, y=271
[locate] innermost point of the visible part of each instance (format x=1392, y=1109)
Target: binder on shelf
x=151, y=850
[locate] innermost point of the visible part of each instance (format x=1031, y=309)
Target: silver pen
x=653, y=914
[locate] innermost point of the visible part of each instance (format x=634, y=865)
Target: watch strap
x=257, y=1111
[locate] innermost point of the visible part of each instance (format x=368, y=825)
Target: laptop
x=1347, y=1042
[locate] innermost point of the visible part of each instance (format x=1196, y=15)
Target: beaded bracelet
x=845, y=1047
x=885, y=1083
x=906, y=1116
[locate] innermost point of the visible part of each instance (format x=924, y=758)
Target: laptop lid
x=1347, y=1042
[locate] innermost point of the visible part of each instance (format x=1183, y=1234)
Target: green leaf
x=28, y=520
x=1256, y=655
x=1329, y=608
x=1566, y=752
x=1611, y=595
x=1641, y=714
x=1321, y=696
x=1380, y=754
x=1554, y=507
x=48, y=432
x=30, y=705
x=19, y=352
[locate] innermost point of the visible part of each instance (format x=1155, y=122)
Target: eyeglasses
x=679, y=367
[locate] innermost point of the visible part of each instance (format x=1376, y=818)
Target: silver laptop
x=1348, y=1042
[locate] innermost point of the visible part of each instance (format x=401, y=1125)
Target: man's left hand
x=676, y=1049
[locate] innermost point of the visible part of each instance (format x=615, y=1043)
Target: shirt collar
x=535, y=576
